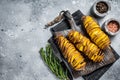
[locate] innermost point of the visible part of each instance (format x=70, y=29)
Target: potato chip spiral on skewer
x=95, y=32
x=84, y=45
x=74, y=58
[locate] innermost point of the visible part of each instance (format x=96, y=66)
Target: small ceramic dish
x=112, y=26
x=101, y=8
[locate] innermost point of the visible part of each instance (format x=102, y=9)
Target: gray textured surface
x=22, y=35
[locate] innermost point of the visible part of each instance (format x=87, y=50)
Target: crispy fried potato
x=74, y=58
x=95, y=32
x=84, y=45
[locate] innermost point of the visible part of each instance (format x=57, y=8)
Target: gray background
x=22, y=35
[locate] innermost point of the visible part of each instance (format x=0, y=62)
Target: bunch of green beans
x=53, y=63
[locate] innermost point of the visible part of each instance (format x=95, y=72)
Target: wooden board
x=91, y=67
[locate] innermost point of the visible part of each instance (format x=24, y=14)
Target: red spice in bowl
x=113, y=26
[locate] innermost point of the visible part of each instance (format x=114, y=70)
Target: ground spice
x=113, y=26
x=102, y=7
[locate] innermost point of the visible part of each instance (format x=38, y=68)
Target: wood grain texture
x=95, y=70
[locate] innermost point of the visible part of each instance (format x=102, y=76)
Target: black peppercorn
x=102, y=7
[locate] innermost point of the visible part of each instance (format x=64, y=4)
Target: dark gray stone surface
x=22, y=35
